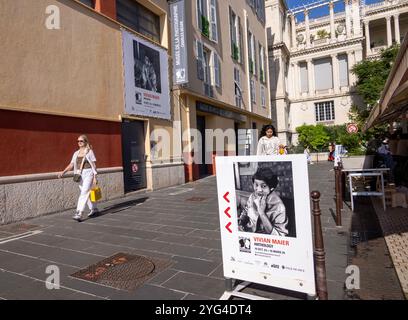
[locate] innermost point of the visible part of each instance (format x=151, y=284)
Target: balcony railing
x=377, y=50
x=375, y=5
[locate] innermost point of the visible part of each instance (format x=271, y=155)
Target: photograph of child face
x=263, y=204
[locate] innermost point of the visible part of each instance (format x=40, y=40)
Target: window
x=216, y=67
x=323, y=74
x=263, y=99
x=89, y=3
x=208, y=91
x=259, y=7
x=135, y=16
x=200, y=60
x=237, y=86
x=251, y=53
x=324, y=111
x=213, y=20
x=304, y=85
x=208, y=68
x=207, y=18
x=262, y=74
x=253, y=94
x=343, y=70
x=236, y=36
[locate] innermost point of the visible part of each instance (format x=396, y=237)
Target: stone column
x=307, y=28
x=310, y=77
x=367, y=36
x=335, y=73
x=356, y=17
x=293, y=27
x=348, y=18
x=332, y=29
x=389, y=32
x=397, y=28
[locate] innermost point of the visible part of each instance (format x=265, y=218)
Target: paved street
x=177, y=227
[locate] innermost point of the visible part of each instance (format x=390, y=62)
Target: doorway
x=203, y=168
x=134, y=155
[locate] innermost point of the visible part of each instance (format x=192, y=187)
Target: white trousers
x=85, y=186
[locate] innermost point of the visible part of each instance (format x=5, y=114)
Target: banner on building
x=146, y=78
x=265, y=221
x=179, y=42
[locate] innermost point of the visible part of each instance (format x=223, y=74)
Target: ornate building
x=310, y=60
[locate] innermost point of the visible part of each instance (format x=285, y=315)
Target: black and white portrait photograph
x=147, y=67
x=265, y=199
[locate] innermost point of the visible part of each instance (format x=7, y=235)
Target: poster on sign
x=146, y=78
x=265, y=221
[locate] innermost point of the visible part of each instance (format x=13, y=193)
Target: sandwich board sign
x=265, y=221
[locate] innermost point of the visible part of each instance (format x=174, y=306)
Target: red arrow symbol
x=228, y=227
x=227, y=212
x=225, y=197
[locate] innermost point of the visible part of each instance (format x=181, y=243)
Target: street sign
x=352, y=128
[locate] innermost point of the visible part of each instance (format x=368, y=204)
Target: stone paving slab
x=394, y=223
x=155, y=227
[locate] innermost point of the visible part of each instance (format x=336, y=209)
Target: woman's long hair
x=265, y=128
x=86, y=140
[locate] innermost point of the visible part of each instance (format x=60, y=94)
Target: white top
x=268, y=146
x=384, y=149
x=90, y=156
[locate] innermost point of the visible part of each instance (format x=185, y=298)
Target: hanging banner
x=146, y=78
x=179, y=42
x=265, y=221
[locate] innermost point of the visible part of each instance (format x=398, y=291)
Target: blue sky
x=339, y=6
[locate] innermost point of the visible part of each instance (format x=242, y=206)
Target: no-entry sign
x=352, y=128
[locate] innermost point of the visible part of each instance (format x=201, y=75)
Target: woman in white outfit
x=269, y=143
x=88, y=176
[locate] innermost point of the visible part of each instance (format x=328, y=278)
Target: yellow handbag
x=96, y=194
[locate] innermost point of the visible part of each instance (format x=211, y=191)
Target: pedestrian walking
x=268, y=143
x=308, y=156
x=332, y=148
x=83, y=163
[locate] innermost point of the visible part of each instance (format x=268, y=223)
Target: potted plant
x=323, y=34
x=206, y=26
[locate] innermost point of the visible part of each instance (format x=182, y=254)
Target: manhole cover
x=123, y=271
x=196, y=199
x=138, y=268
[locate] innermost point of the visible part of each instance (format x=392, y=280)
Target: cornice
x=279, y=46
x=324, y=97
x=328, y=46
x=385, y=9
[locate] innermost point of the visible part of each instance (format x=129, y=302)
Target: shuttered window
x=89, y=3
x=237, y=86
x=323, y=74
x=217, y=70
x=343, y=70
x=200, y=60
x=304, y=85
x=213, y=21
x=135, y=16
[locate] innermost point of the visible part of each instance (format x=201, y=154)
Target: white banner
x=146, y=78
x=265, y=220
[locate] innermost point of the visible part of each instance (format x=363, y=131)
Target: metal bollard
x=337, y=179
x=319, y=254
